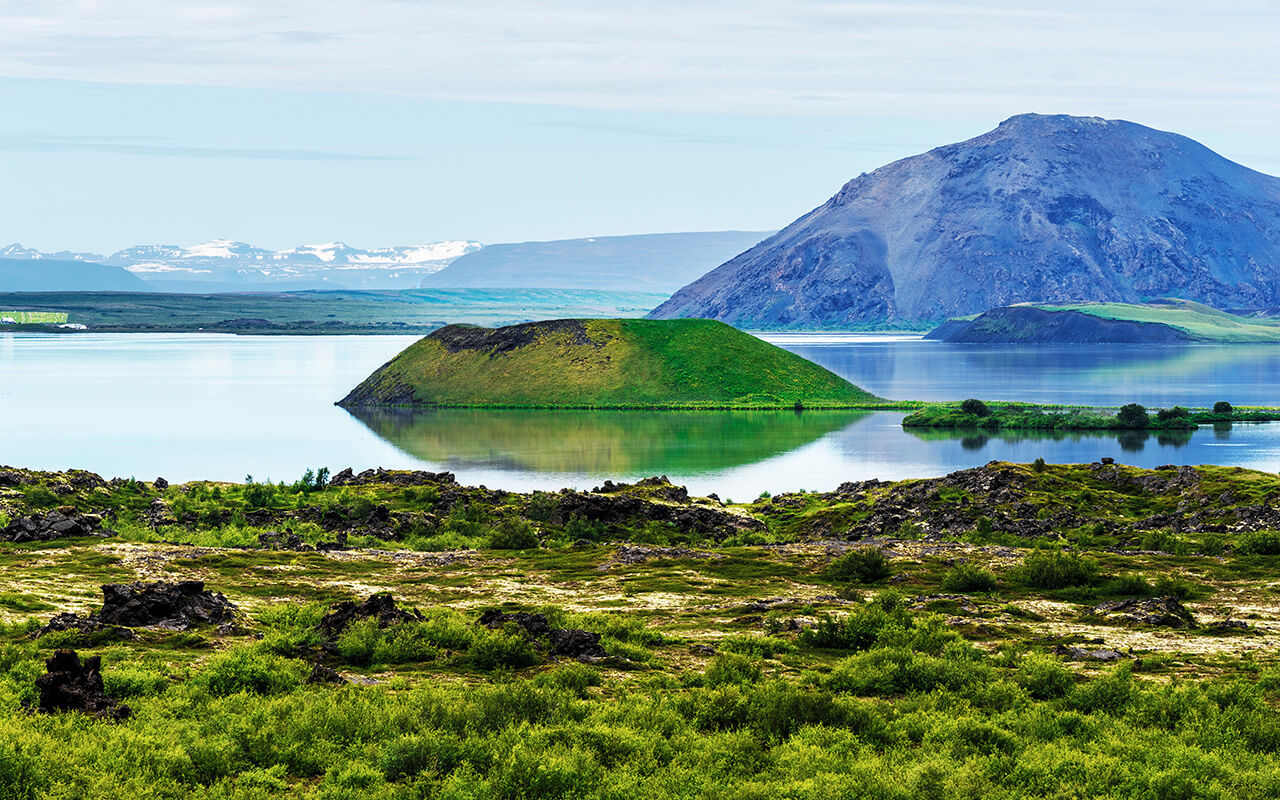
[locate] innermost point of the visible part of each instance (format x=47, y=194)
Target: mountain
x=54, y=275
x=226, y=266
x=661, y=262
x=602, y=363
x=1042, y=209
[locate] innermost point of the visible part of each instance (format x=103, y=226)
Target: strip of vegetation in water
x=974, y=414
x=1087, y=630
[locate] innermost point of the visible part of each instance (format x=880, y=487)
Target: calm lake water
x=189, y=406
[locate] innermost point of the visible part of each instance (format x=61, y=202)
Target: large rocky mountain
x=654, y=262
x=1042, y=209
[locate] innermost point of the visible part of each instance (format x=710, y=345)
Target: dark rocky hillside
x=1042, y=209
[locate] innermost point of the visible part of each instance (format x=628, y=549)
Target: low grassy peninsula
x=974, y=413
x=603, y=363
x=1169, y=321
x=1010, y=631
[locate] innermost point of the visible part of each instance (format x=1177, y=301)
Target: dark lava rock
x=567, y=642
x=1165, y=612
x=287, y=540
x=381, y=607
x=395, y=477
x=72, y=685
x=160, y=483
x=616, y=509
x=51, y=525
x=1082, y=654
x=10, y=479
x=659, y=488
x=173, y=606
x=89, y=626
x=322, y=674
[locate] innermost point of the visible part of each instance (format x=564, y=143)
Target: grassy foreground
x=934, y=639
x=603, y=363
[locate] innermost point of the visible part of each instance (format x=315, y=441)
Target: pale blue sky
x=405, y=121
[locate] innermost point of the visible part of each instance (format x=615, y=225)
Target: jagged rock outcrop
x=173, y=606
x=1041, y=209
x=51, y=525
x=380, y=607
x=70, y=684
x=567, y=642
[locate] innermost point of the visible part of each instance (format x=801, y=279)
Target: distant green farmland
x=35, y=317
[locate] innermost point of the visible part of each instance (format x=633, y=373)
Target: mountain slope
x=602, y=363
x=1042, y=209
x=660, y=262
x=50, y=275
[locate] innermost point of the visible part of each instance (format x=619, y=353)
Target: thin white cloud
x=1161, y=62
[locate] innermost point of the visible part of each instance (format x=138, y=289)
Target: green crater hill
x=603, y=363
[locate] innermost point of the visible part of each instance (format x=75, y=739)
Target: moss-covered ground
x=931, y=638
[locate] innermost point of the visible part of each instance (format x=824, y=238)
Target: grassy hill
x=1197, y=320
x=603, y=363
x=1158, y=322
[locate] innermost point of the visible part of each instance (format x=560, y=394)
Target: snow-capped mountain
x=224, y=265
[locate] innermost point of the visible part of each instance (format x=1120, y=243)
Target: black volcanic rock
x=1042, y=209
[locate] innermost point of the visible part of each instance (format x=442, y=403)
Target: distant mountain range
x=224, y=266
x=657, y=262
x=56, y=274
x=1042, y=209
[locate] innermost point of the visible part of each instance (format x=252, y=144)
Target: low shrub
x=1044, y=677
x=1258, y=543
x=975, y=407
x=1057, y=570
x=965, y=577
x=492, y=650
x=1222, y=407
x=862, y=565
x=731, y=668
x=1133, y=415
x=759, y=646
x=513, y=534
x=251, y=670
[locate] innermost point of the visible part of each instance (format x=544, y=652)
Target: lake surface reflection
x=209, y=406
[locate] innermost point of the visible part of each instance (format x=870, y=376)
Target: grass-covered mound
x=603, y=363
x=1159, y=322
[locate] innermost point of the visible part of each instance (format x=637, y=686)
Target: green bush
x=513, y=534
x=858, y=630
x=975, y=407
x=731, y=668
x=364, y=644
x=863, y=565
x=1057, y=570
x=965, y=577
x=1133, y=415
x=247, y=669
x=1130, y=584
x=1044, y=678
x=39, y=497
x=758, y=646
x=1222, y=407
x=437, y=753
x=496, y=649
x=1038, y=465
x=1258, y=543
x=895, y=671
x=1170, y=414
x=22, y=776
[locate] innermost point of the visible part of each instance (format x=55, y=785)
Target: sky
x=397, y=122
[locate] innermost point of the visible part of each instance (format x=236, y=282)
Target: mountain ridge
x=1044, y=208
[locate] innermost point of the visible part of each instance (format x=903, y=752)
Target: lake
x=187, y=406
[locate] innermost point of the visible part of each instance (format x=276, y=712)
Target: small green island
x=603, y=364
x=1165, y=321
